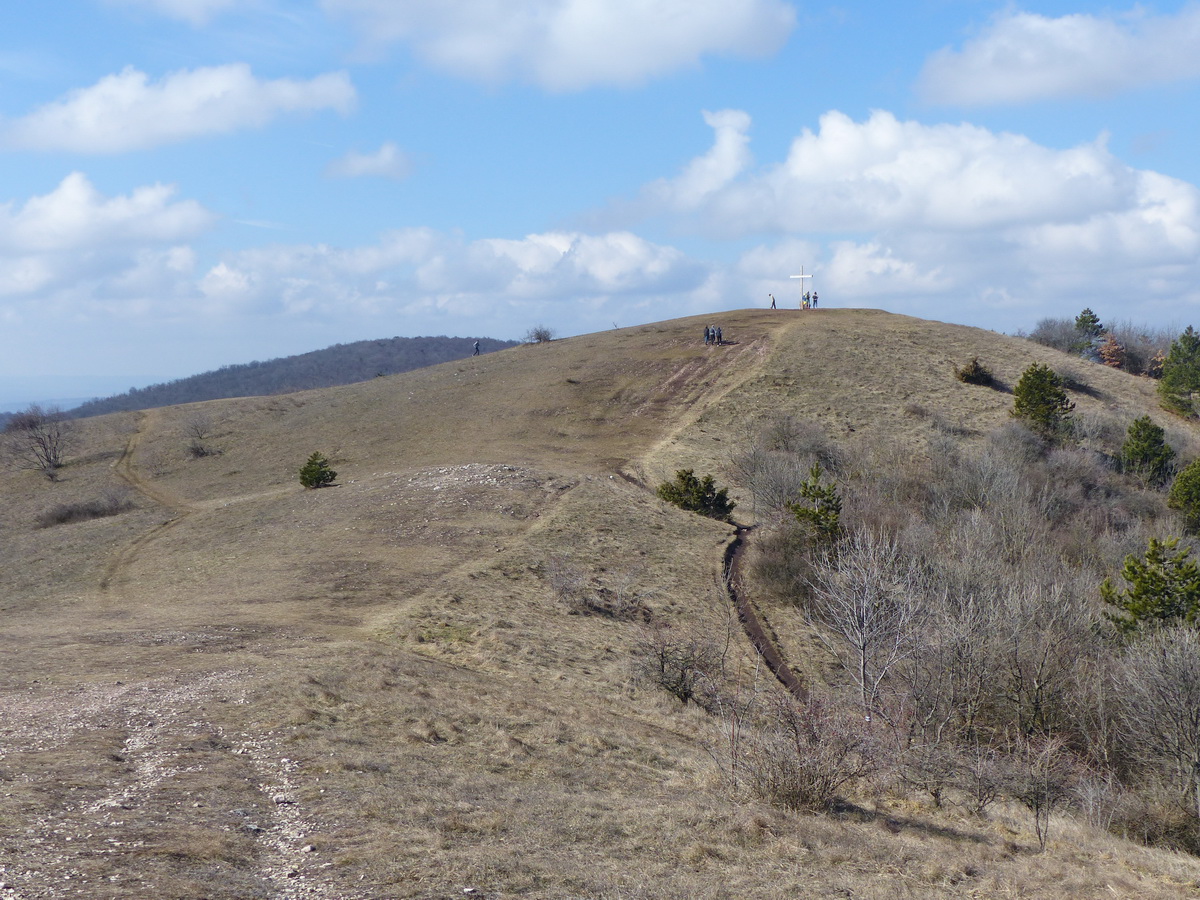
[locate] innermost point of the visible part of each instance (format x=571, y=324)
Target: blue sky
x=186, y=184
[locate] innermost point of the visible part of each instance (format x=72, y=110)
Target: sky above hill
x=191, y=183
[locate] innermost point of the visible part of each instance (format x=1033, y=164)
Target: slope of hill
x=388, y=688
x=339, y=364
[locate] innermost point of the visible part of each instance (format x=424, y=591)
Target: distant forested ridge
x=339, y=364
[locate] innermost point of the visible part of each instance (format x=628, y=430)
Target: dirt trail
x=745, y=367
x=764, y=643
x=125, y=469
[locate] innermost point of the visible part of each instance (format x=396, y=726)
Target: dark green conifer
x=1087, y=323
x=316, y=472
x=1163, y=588
x=1185, y=496
x=1146, y=453
x=821, y=510
x=1040, y=401
x=1181, y=374
x=697, y=495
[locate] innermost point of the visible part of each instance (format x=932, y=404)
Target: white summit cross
x=801, y=276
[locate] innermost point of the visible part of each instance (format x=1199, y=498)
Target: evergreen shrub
x=316, y=472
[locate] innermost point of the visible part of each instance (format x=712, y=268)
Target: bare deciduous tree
x=1043, y=778
x=38, y=438
x=198, y=428
x=865, y=595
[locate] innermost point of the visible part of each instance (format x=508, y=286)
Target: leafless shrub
x=621, y=596
x=1060, y=334
x=38, y=439
x=1100, y=797
x=1044, y=632
x=807, y=440
x=539, y=334
x=776, y=460
x=804, y=755
x=1043, y=780
x=783, y=562
x=984, y=776
x=1155, y=818
x=686, y=662
x=1100, y=431
x=65, y=513
x=198, y=428
x=1160, y=678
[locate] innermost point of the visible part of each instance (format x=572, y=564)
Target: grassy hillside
x=238, y=688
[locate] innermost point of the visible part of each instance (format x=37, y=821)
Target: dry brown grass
x=242, y=689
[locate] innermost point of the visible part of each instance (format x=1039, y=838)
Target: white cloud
x=885, y=173
x=126, y=112
x=703, y=176
x=75, y=217
x=389, y=161
x=194, y=12
x=424, y=268
x=956, y=215
x=1024, y=56
x=565, y=45
x=74, y=238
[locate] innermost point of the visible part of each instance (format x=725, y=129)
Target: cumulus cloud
x=1022, y=57
x=421, y=268
x=941, y=212
x=566, y=45
x=884, y=173
x=127, y=112
x=75, y=218
x=194, y=12
x=389, y=161
x=76, y=248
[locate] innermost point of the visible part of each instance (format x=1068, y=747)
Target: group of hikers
x=808, y=301
x=712, y=335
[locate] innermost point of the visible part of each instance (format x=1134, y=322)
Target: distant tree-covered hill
x=339, y=364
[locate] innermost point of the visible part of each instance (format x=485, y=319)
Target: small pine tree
x=1181, y=374
x=316, y=472
x=697, y=495
x=1163, y=588
x=1087, y=323
x=974, y=372
x=1185, y=496
x=1040, y=401
x=1146, y=453
x=822, y=509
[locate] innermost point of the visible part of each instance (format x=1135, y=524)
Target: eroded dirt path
x=125, y=469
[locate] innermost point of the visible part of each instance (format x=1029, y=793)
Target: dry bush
x=1044, y=778
x=803, y=755
x=1143, y=346
x=784, y=562
x=775, y=461
x=622, y=595
x=198, y=429
x=688, y=662
x=1160, y=681
x=1152, y=815
x=112, y=504
x=1061, y=334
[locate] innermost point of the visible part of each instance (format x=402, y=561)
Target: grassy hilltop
x=236, y=688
